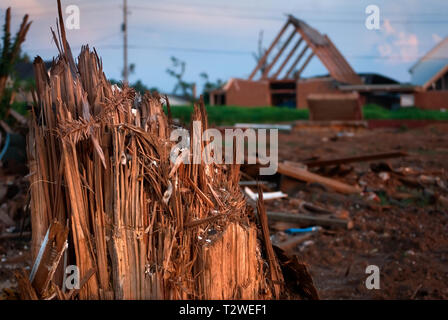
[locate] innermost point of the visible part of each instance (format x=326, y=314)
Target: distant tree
x=113, y=81
x=209, y=86
x=178, y=71
x=10, y=52
x=140, y=87
x=260, y=52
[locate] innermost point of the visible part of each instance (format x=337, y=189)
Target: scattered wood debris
x=307, y=220
x=369, y=157
x=266, y=195
x=304, y=175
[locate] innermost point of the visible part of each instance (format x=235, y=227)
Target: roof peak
x=430, y=53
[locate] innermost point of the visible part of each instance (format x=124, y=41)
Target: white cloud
x=388, y=27
x=398, y=46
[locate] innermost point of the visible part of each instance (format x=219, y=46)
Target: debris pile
x=327, y=195
x=13, y=209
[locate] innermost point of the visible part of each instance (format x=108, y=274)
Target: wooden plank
x=328, y=61
x=288, y=57
x=276, y=276
x=277, y=56
x=291, y=69
x=15, y=235
x=305, y=175
x=368, y=157
x=45, y=267
x=293, y=241
x=266, y=54
x=307, y=220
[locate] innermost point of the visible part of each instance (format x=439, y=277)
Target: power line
x=243, y=52
x=272, y=18
x=166, y=48
x=302, y=10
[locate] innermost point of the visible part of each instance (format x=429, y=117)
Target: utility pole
x=125, y=41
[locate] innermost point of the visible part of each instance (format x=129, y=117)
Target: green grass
x=372, y=111
x=229, y=115
x=20, y=107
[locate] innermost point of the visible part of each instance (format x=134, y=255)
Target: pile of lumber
x=106, y=198
x=293, y=177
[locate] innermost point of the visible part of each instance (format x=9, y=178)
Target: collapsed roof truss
x=319, y=45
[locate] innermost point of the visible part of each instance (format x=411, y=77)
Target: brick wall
x=434, y=100
x=307, y=87
x=248, y=93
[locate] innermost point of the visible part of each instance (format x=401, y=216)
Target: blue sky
x=218, y=37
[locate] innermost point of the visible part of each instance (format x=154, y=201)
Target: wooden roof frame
x=320, y=45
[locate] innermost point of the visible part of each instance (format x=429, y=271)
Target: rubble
x=390, y=216
x=307, y=176
x=306, y=220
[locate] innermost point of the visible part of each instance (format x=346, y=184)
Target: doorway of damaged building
x=283, y=93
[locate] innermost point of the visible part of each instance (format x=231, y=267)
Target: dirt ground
x=398, y=226
x=406, y=238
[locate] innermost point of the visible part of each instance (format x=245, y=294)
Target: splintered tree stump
x=231, y=265
x=139, y=226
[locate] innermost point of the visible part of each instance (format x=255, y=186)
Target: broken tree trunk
x=142, y=223
x=139, y=225
x=150, y=228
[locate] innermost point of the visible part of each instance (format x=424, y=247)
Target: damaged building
x=428, y=88
x=277, y=78
x=277, y=83
x=430, y=76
